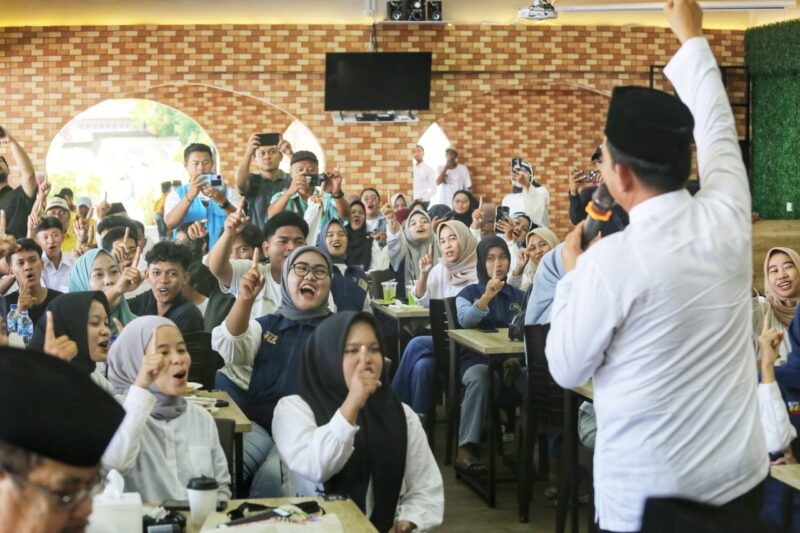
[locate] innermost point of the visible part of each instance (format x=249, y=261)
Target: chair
x=450, y=365
x=376, y=277
x=205, y=361
x=441, y=350
x=542, y=411
x=226, y=429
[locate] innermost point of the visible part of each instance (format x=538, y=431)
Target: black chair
x=441, y=350
x=446, y=318
x=226, y=429
x=542, y=412
x=376, y=277
x=205, y=361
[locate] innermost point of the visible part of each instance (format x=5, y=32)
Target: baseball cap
x=304, y=155
x=84, y=201
x=57, y=202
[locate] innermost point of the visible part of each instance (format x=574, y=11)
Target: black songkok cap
x=598, y=154
x=53, y=409
x=304, y=155
x=648, y=124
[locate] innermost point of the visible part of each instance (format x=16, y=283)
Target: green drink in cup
x=410, y=294
x=389, y=291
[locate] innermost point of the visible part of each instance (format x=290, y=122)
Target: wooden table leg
x=238, y=466
x=492, y=426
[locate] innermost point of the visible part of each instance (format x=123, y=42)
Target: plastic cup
x=410, y=294
x=389, y=290
x=202, y=498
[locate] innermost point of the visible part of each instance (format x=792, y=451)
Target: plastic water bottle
x=25, y=327
x=11, y=319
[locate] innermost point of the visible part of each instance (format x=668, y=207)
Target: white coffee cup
x=202, y=498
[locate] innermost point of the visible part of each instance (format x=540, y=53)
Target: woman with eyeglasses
x=273, y=345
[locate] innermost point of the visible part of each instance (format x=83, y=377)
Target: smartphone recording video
x=269, y=139
x=501, y=213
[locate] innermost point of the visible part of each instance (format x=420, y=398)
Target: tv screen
x=377, y=81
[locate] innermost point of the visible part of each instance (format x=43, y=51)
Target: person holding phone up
x=527, y=195
x=267, y=150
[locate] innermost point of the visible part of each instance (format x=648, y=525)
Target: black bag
x=516, y=330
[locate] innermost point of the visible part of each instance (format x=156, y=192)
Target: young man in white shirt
x=424, y=176
x=453, y=177
x=659, y=315
x=57, y=264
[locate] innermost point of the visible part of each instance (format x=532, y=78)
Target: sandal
x=471, y=466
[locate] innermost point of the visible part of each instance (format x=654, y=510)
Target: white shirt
x=270, y=296
x=659, y=315
x=57, y=278
x=157, y=458
x=535, y=202
x=424, y=181
x=439, y=286
x=314, y=454
x=457, y=179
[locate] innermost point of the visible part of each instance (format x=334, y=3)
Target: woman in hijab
x=413, y=382
x=362, y=249
x=273, y=346
x=83, y=317
x=407, y=244
x=537, y=243
x=781, y=295
x=346, y=433
x=398, y=201
x=490, y=303
x=175, y=440
x=349, y=285
x=464, y=203
x=98, y=270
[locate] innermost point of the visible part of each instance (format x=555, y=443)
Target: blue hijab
x=543, y=290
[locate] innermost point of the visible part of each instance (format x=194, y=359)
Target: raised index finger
x=2, y=223
x=430, y=250
x=480, y=204
x=256, y=258
x=136, y=257
x=127, y=234
x=49, y=332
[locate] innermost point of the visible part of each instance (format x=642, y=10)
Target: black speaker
x=434, y=10
x=395, y=10
x=416, y=10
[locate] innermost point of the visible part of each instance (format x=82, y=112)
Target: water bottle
x=25, y=327
x=11, y=319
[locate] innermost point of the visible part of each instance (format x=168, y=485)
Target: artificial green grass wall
x=772, y=55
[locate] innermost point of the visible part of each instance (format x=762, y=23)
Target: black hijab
x=484, y=246
x=380, y=444
x=359, y=243
x=465, y=218
x=71, y=318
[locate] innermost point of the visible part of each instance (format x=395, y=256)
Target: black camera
x=315, y=180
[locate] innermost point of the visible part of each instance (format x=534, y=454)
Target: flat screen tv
x=377, y=81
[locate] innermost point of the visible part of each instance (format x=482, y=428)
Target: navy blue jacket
x=349, y=290
x=276, y=369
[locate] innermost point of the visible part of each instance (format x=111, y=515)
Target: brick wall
x=497, y=92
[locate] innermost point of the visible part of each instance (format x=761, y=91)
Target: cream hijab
x=782, y=308
x=462, y=271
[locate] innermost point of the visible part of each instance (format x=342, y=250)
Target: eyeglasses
x=65, y=501
x=302, y=270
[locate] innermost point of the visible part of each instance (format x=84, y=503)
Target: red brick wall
x=497, y=92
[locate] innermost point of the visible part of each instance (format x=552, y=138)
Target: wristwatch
x=338, y=195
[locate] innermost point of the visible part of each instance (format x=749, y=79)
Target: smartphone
x=214, y=180
x=487, y=330
x=516, y=163
x=222, y=403
x=183, y=505
x=501, y=212
x=269, y=139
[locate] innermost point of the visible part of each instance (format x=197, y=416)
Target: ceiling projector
x=538, y=10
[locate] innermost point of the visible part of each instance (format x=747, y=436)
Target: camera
x=315, y=180
x=588, y=176
x=213, y=180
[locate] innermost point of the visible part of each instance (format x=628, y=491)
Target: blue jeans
x=416, y=376
x=224, y=383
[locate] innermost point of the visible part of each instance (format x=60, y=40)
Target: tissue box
x=121, y=514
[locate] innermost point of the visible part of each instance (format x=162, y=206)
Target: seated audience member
x=331, y=202
x=168, y=272
x=580, y=194
x=114, y=221
x=198, y=200
x=26, y=266
x=272, y=346
x=98, y=270
x=69, y=196
x=49, y=463
x=17, y=202
x=528, y=196
x=407, y=245
x=781, y=295
x=172, y=440
x=57, y=264
x=548, y=273
x=121, y=242
x=514, y=232
x=57, y=207
x=376, y=221
x=345, y=432
x=258, y=189
x=451, y=177
x=489, y=303
x=203, y=291
x=284, y=232
x=79, y=326
x=84, y=212
x=349, y=285
x=464, y=205
x=539, y=242
x=398, y=201
x=362, y=249
x=413, y=382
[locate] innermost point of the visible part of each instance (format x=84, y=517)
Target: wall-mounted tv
x=377, y=81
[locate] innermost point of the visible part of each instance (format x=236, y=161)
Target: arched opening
x=123, y=148
x=435, y=142
x=301, y=138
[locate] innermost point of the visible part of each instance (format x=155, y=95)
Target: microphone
x=599, y=210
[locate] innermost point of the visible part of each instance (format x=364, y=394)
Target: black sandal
x=471, y=466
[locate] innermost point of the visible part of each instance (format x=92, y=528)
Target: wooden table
x=568, y=482
x=351, y=517
x=493, y=345
x=242, y=426
x=401, y=313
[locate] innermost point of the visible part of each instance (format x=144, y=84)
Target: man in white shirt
x=453, y=177
x=424, y=176
x=659, y=315
x=57, y=264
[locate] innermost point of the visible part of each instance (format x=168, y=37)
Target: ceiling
x=502, y=12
